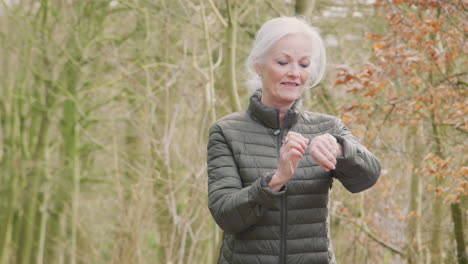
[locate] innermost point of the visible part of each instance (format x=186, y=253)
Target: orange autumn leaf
x=459, y=189
x=370, y=93
x=416, y=81
x=378, y=46
x=429, y=156
x=374, y=37
x=347, y=118
x=366, y=106
x=464, y=170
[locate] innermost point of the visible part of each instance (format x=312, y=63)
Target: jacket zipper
x=283, y=208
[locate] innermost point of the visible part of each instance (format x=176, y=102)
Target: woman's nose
x=293, y=72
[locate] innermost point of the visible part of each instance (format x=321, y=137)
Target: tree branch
x=447, y=78
x=363, y=226
x=217, y=13
x=270, y=5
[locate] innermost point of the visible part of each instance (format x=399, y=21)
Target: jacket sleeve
x=234, y=207
x=358, y=169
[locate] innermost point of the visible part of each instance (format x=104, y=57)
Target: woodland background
x=105, y=107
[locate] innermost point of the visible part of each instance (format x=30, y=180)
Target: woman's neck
x=283, y=108
x=282, y=115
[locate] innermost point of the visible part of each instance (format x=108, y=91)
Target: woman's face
x=285, y=70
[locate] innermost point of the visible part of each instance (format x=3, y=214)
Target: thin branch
x=270, y=5
x=447, y=78
x=231, y=55
x=220, y=58
x=210, y=93
x=363, y=226
x=243, y=10
x=217, y=13
x=161, y=64
x=454, y=126
x=198, y=68
x=388, y=114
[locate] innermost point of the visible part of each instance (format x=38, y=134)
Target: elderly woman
x=271, y=167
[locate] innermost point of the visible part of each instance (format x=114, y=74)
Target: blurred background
x=105, y=108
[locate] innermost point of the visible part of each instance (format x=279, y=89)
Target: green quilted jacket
x=289, y=226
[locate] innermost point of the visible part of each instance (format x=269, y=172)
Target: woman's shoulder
x=314, y=117
x=232, y=119
x=320, y=121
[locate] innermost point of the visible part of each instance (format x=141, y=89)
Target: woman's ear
x=258, y=69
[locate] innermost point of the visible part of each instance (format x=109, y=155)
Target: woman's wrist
x=340, y=150
x=276, y=182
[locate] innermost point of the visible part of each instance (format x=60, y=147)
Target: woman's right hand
x=294, y=146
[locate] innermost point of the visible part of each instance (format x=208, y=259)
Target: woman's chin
x=293, y=94
x=290, y=98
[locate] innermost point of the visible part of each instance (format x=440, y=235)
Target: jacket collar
x=268, y=116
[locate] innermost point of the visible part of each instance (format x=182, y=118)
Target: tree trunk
x=11, y=177
x=435, y=245
x=304, y=7
x=210, y=110
x=231, y=45
x=414, y=224
x=70, y=135
x=458, y=230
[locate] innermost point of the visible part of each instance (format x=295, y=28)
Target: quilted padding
x=289, y=226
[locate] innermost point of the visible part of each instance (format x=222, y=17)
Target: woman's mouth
x=291, y=84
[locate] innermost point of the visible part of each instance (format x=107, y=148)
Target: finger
x=299, y=135
x=333, y=144
x=321, y=152
x=291, y=144
x=330, y=138
x=332, y=149
x=294, y=154
x=306, y=140
x=327, y=153
x=328, y=142
x=291, y=157
x=317, y=142
x=318, y=139
x=323, y=161
x=299, y=139
x=293, y=133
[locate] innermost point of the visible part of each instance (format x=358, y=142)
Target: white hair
x=277, y=28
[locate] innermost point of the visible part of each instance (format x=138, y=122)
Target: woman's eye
x=282, y=63
x=304, y=65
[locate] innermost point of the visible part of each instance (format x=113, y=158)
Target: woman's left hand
x=324, y=149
